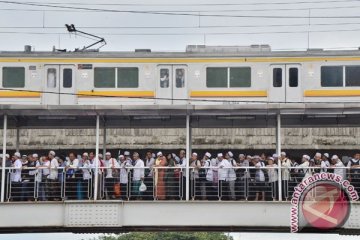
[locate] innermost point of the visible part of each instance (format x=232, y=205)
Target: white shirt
x=109, y=164
x=138, y=170
x=272, y=172
x=209, y=171
x=285, y=171
x=86, y=168
x=46, y=170
x=232, y=173
x=259, y=175
x=16, y=173
x=124, y=172
x=224, y=166
x=183, y=166
x=54, y=164
x=74, y=164
x=324, y=166
x=305, y=167
x=150, y=164
x=340, y=171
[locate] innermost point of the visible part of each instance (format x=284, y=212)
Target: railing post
x=188, y=150
x=4, y=160
x=104, y=140
x=97, y=157
x=278, y=152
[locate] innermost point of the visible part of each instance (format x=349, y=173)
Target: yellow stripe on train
x=19, y=94
x=331, y=93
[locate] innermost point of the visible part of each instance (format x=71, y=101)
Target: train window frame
x=247, y=81
x=322, y=76
x=293, y=83
x=346, y=80
x=226, y=80
x=65, y=80
x=113, y=84
x=276, y=84
x=6, y=81
x=118, y=69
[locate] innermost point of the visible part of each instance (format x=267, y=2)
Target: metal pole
x=97, y=157
x=104, y=140
x=3, y=161
x=278, y=152
x=188, y=150
x=17, y=139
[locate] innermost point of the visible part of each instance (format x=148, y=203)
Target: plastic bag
x=142, y=187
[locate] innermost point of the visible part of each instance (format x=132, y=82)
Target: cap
x=24, y=156
x=241, y=155
x=208, y=154
x=159, y=154
x=194, y=153
x=219, y=155
x=126, y=153
x=85, y=154
x=334, y=157
x=317, y=154
x=306, y=157
x=107, y=154
x=275, y=155
x=17, y=154
x=7, y=155
x=271, y=158
x=256, y=157
x=327, y=155
x=121, y=156
x=35, y=155
x=249, y=156
x=283, y=153
x=100, y=155
x=230, y=154
x=52, y=153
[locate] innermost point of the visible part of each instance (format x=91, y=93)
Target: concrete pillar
x=97, y=157
x=278, y=152
x=3, y=172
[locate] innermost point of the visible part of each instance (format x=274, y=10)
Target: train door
x=285, y=85
x=171, y=84
x=59, y=85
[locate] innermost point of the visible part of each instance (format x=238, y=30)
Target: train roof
x=192, y=51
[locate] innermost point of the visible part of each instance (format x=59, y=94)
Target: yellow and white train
x=200, y=75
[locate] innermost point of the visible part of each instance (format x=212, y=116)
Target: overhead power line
x=183, y=14
x=186, y=27
x=191, y=34
x=200, y=4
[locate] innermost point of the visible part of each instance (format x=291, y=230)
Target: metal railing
x=164, y=183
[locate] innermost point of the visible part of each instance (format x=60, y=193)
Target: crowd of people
x=159, y=176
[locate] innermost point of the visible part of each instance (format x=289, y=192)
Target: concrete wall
x=225, y=138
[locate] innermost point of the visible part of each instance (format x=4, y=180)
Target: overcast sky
x=182, y=30
x=274, y=24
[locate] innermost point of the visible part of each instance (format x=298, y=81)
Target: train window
x=164, y=77
x=332, y=76
x=277, y=77
x=240, y=77
x=217, y=77
x=293, y=77
x=128, y=77
x=51, y=78
x=104, y=77
x=67, y=78
x=180, y=77
x=352, y=76
x=13, y=77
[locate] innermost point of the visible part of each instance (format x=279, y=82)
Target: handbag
x=142, y=187
x=115, y=172
x=117, y=190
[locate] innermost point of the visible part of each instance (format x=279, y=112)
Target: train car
x=200, y=75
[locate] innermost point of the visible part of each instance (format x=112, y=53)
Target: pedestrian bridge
x=124, y=216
